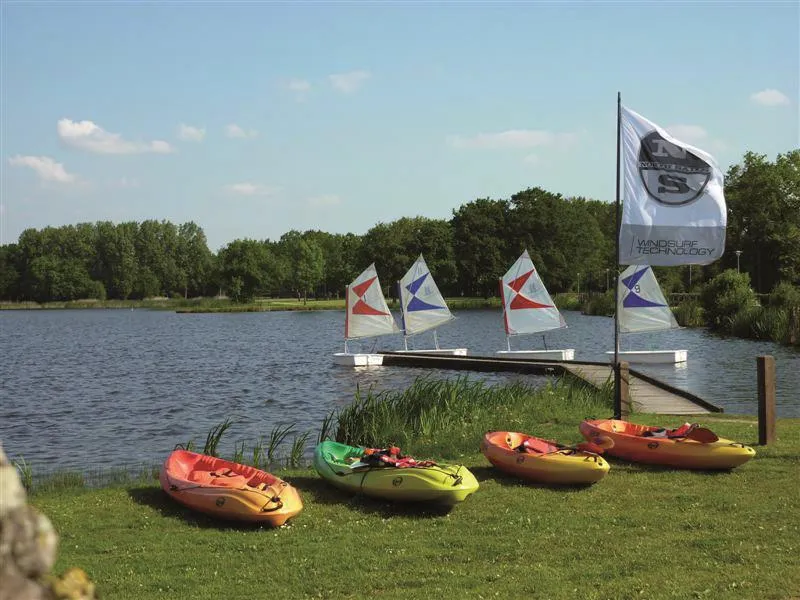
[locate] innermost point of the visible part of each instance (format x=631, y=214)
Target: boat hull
x=440, y=351
x=347, y=359
x=228, y=490
x=441, y=484
x=651, y=356
x=565, y=354
x=683, y=453
x=564, y=467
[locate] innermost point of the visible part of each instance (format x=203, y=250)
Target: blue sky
x=252, y=119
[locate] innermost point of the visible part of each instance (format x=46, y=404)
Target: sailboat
x=366, y=315
x=642, y=307
x=423, y=307
x=528, y=308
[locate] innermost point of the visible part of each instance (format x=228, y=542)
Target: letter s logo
x=672, y=184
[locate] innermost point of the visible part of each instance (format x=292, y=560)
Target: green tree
x=306, y=262
x=243, y=268
x=763, y=202
x=480, y=245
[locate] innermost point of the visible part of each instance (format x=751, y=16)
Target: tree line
x=570, y=239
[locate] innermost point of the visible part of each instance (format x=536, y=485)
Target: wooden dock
x=648, y=394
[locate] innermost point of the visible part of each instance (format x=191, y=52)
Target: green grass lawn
x=642, y=532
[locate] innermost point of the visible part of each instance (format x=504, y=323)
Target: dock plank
x=648, y=394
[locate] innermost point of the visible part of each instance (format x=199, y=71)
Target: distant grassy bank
x=641, y=532
x=201, y=305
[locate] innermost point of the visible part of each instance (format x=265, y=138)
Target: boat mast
x=402, y=314
x=346, y=315
x=617, y=374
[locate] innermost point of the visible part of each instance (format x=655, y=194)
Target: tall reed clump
x=599, y=304
x=449, y=417
x=567, y=301
x=689, y=313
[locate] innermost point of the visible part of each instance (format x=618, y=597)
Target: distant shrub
x=600, y=304
x=785, y=295
x=725, y=295
x=567, y=301
x=690, y=313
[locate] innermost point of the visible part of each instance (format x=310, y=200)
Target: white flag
x=673, y=210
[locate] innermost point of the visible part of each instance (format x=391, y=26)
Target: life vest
x=382, y=457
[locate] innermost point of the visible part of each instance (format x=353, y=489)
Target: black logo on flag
x=672, y=175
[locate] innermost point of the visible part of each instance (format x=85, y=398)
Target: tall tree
x=763, y=201
x=480, y=245
x=306, y=262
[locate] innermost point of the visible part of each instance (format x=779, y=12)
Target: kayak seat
x=234, y=482
x=200, y=476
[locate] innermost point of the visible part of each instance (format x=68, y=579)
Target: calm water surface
x=98, y=388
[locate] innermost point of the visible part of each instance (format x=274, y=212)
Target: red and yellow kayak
x=227, y=489
x=540, y=460
x=654, y=445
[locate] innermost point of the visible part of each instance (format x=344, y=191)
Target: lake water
x=97, y=388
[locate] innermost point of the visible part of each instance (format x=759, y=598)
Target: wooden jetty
x=648, y=394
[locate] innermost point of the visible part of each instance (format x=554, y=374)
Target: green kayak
x=381, y=474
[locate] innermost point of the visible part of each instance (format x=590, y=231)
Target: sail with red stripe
x=367, y=314
x=527, y=305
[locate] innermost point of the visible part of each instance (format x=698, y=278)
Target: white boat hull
x=565, y=354
x=652, y=356
x=444, y=351
x=347, y=359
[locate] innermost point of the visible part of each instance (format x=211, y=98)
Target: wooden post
x=766, y=399
x=624, y=388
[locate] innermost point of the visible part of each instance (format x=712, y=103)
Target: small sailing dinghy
x=528, y=308
x=642, y=307
x=423, y=308
x=366, y=315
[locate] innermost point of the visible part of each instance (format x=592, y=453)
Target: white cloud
x=88, y=136
x=298, y=85
x=45, y=167
x=191, y=134
x=325, y=200
x=127, y=182
x=697, y=136
x=513, y=138
x=691, y=134
x=531, y=159
x=234, y=131
x=770, y=97
x=251, y=189
x=348, y=82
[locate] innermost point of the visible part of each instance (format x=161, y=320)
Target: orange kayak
x=227, y=489
x=676, y=448
x=540, y=460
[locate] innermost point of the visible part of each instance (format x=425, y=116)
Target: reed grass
x=213, y=437
x=689, y=313
x=437, y=416
x=25, y=472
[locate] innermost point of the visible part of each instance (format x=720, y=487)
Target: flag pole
x=617, y=387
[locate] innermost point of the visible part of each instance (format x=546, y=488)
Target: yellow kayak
x=542, y=461
x=656, y=445
x=380, y=474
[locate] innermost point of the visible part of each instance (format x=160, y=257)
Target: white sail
x=527, y=306
x=367, y=314
x=422, y=304
x=642, y=306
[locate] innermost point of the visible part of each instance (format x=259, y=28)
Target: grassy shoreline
x=211, y=305
x=642, y=531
